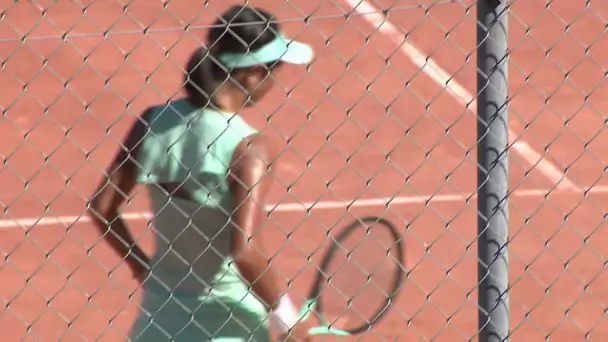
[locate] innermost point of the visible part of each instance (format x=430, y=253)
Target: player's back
x=185, y=158
x=194, y=292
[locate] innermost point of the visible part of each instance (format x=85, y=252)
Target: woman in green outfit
x=207, y=172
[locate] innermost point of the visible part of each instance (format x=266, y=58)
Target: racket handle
x=325, y=330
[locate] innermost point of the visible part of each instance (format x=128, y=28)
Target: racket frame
x=313, y=303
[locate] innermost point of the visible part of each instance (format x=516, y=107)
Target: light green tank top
x=193, y=147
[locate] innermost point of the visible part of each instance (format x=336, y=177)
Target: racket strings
x=349, y=280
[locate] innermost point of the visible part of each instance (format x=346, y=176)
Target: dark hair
x=238, y=30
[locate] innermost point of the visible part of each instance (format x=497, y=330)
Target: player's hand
x=299, y=333
x=139, y=271
x=138, y=264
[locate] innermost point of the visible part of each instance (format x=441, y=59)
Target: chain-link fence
x=402, y=115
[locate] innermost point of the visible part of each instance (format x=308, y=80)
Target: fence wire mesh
x=381, y=123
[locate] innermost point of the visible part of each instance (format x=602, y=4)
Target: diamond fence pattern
x=382, y=123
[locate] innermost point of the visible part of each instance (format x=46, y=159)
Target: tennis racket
x=364, y=264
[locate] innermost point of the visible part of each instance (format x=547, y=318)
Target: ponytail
x=200, y=80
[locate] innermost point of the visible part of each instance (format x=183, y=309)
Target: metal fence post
x=493, y=166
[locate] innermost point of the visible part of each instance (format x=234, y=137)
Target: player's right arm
x=252, y=178
x=251, y=181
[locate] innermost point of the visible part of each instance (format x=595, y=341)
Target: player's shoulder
x=175, y=110
x=165, y=120
x=258, y=147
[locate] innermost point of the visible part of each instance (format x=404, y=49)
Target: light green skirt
x=170, y=317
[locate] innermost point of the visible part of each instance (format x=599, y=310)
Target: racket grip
x=325, y=330
x=284, y=316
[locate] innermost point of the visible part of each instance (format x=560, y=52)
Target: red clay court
x=364, y=123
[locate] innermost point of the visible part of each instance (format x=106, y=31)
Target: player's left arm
x=114, y=189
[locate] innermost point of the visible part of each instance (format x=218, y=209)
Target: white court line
x=373, y=16
x=303, y=207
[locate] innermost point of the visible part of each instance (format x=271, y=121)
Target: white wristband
x=284, y=316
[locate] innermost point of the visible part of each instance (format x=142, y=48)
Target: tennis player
x=207, y=172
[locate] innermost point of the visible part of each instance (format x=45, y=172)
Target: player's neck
x=230, y=99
